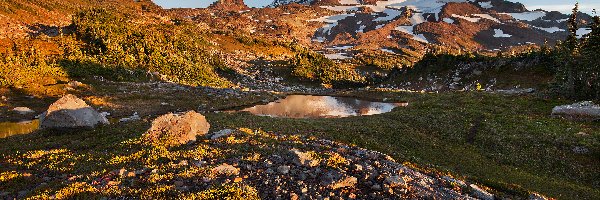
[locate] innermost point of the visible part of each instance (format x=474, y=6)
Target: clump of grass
x=335, y=160
x=21, y=67
x=235, y=191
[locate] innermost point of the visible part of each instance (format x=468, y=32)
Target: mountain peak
x=234, y=5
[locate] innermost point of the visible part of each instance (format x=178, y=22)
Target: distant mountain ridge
x=468, y=24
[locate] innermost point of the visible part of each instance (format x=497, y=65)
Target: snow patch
x=486, y=5
x=349, y=2
x=527, y=16
x=486, y=16
x=498, y=33
x=448, y=20
x=387, y=50
x=336, y=56
x=471, y=19
x=582, y=31
x=340, y=47
x=550, y=30
x=409, y=30
x=331, y=21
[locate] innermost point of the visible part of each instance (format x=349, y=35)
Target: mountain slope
x=20, y=16
x=457, y=24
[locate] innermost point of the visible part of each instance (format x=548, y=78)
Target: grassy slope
x=519, y=147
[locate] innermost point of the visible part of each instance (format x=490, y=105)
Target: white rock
x=134, y=117
x=71, y=112
x=585, y=109
x=221, y=133
x=225, y=169
x=283, y=169
x=580, y=150
x=23, y=110
x=535, y=196
x=395, y=181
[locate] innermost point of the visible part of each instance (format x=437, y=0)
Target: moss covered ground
x=517, y=148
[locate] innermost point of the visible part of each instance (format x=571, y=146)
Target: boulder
x=71, y=112
x=585, y=109
x=173, y=129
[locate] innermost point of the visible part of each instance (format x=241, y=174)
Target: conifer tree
x=590, y=51
x=568, y=51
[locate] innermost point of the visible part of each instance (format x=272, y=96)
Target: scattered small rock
x=395, y=181
x=283, y=169
x=536, y=196
x=75, y=84
x=178, y=183
x=23, y=110
x=225, y=169
x=134, y=117
x=198, y=163
x=349, y=181
x=221, y=133
x=301, y=158
x=481, y=193
x=582, y=134
x=580, y=150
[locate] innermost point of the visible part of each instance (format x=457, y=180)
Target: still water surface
x=16, y=128
x=308, y=106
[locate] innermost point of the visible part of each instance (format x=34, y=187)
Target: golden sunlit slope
x=18, y=16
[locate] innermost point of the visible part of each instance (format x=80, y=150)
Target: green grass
x=519, y=148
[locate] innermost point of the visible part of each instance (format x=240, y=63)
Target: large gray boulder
x=173, y=130
x=585, y=109
x=71, y=112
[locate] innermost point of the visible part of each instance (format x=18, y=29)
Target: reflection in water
x=15, y=128
x=306, y=106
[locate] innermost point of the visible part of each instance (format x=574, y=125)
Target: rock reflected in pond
x=307, y=106
x=17, y=128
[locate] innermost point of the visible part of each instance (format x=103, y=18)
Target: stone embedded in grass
x=221, y=133
x=481, y=193
x=585, y=109
x=395, y=181
x=536, y=196
x=173, y=130
x=284, y=169
x=348, y=181
x=225, y=169
x=301, y=158
x=71, y=112
x=23, y=110
x=134, y=117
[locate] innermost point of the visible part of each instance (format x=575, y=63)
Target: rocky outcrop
x=230, y=5
x=71, y=112
x=585, y=109
x=173, y=130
